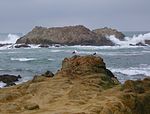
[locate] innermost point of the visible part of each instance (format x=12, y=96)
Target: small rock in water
x=22, y=46
x=9, y=79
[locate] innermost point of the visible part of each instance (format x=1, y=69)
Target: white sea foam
x=104, y=47
x=11, y=39
x=130, y=40
x=143, y=69
x=50, y=59
x=23, y=59
x=2, y=84
x=55, y=51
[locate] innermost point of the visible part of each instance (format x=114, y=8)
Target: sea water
x=125, y=61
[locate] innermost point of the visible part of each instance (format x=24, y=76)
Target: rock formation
x=82, y=86
x=147, y=42
x=70, y=35
x=9, y=79
x=108, y=31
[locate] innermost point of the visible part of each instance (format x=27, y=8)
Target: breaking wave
x=11, y=39
x=130, y=40
x=23, y=59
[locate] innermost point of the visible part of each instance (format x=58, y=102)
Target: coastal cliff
x=82, y=86
x=69, y=35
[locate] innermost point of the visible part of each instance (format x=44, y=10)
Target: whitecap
x=2, y=84
x=11, y=39
x=55, y=51
x=130, y=40
x=50, y=59
x=23, y=59
x=141, y=69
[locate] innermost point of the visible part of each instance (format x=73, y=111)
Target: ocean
x=125, y=61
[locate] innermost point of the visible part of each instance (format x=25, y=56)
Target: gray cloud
x=23, y=15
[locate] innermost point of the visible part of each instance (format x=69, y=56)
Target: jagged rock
x=82, y=86
x=1, y=45
x=108, y=31
x=140, y=44
x=9, y=79
x=84, y=66
x=22, y=46
x=70, y=35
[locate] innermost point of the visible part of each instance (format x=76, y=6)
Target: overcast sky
x=124, y=15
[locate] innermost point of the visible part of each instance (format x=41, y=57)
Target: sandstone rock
x=84, y=66
x=10, y=108
x=82, y=86
x=31, y=106
x=138, y=96
x=70, y=35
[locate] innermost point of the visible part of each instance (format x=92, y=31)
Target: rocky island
x=70, y=35
x=82, y=86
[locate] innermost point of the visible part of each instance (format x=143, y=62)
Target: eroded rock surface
x=82, y=86
x=69, y=35
x=108, y=32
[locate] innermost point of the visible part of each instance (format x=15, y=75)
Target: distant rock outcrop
x=108, y=31
x=82, y=86
x=147, y=42
x=70, y=35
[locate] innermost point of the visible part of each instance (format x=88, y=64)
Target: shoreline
x=82, y=81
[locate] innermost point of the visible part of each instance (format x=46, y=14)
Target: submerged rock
x=69, y=35
x=140, y=44
x=22, y=46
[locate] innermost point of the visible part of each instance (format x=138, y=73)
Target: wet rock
x=44, y=46
x=22, y=46
x=140, y=44
x=1, y=45
x=48, y=74
x=147, y=42
x=9, y=79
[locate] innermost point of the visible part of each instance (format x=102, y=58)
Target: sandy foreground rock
x=82, y=86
